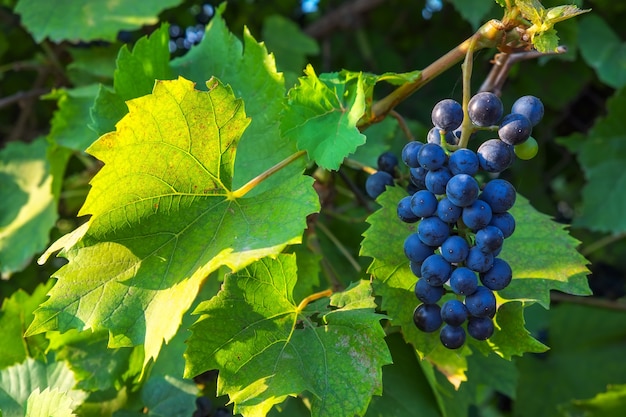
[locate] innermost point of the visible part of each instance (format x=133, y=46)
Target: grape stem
x=403, y=126
x=247, y=187
x=313, y=297
x=467, y=127
x=490, y=35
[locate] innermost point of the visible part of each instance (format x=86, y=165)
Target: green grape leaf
x=610, y=403
x=20, y=382
x=15, y=316
x=29, y=209
x=475, y=12
x=546, y=41
x=102, y=19
x=93, y=64
x=511, y=337
x=49, y=402
x=322, y=116
x=543, y=257
x=134, y=76
x=68, y=126
x=405, y=391
x=165, y=396
x=289, y=44
x=581, y=338
x=266, y=347
x=604, y=51
x=164, y=215
x=251, y=72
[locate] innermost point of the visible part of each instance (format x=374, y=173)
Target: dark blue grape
x=505, y=222
x=404, y=210
x=410, y=152
x=377, y=182
x=437, y=180
x=424, y=203
x=416, y=268
x=463, y=281
x=432, y=156
x=477, y=215
x=499, y=194
x=447, y=115
x=427, y=293
x=427, y=317
x=415, y=250
x=485, y=109
x=498, y=277
x=448, y=212
x=434, y=136
x=462, y=190
x=454, y=312
x=515, y=129
x=529, y=106
x=489, y=239
x=433, y=231
x=478, y=261
x=452, y=337
x=436, y=270
x=454, y=249
x=480, y=328
x=388, y=162
x=482, y=303
x=463, y=161
x=495, y=156
x=418, y=177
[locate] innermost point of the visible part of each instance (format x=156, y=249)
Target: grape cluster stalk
x=461, y=225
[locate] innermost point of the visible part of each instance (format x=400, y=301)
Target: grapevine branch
x=313, y=297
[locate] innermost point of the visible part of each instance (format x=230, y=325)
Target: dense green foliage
x=184, y=227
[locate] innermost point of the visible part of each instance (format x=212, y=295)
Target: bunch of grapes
x=462, y=227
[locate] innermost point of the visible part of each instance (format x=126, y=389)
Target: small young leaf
x=322, y=116
x=267, y=348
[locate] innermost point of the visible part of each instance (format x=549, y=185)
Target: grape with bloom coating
x=447, y=115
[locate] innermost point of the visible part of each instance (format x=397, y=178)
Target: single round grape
x=415, y=250
x=433, y=231
x=478, y=261
x=489, y=239
x=477, y=215
x=427, y=293
x=454, y=249
x=505, y=222
x=434, y=136
x=480, y=328
x=387, y=162
x=436, y=270
x=424, y=203
x=463, y=161
x=482, y=303
x=416, y=268
x=431, y=156
x=514, y=129
x=462, y=190
x=499, y=194
x=498, y=277
x=427, y=317
x=463, y=281
x=495, y=156
x=454, y=312
x=437, y=180
x=447, y=115
x=448, y=211
x=485, y=109
x=529, y=106
x=527, y=149
x=418, y=177
x=404, y=210
x=377, y=182
x=410, y=152
x=452, y=337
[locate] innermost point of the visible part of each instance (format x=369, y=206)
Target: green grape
x=527, y=150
